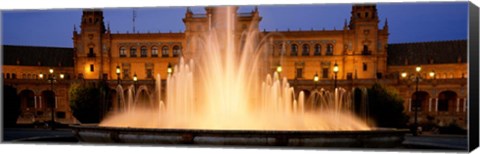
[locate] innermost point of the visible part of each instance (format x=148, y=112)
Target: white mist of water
x=222, y=88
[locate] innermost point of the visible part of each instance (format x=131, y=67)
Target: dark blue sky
x=408, y=22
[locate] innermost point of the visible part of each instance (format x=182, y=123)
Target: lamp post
x=52, y=105
x=169, y=69
x=335, y=70
x=135, y=80
x=118, y=84
x=315, y=80
x=416, y=102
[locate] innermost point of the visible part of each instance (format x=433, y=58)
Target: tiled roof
x=33, y=56
x=441, y=52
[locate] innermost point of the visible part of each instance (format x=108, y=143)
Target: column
x=465, y=104
x=35, y=101
x=436, y=104
x=409, y=105
x=55, y=102
x=458, y=104
x=40, y=100
x=429, y=104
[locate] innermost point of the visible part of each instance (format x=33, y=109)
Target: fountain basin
x=381, y=138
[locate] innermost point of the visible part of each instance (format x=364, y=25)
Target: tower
x=90, y=45
x=368, y=42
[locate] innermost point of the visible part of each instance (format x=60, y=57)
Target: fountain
x=219, y=97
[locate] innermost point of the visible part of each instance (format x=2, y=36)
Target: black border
x=473, y=77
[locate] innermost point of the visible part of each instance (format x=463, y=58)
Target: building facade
x=360, y=49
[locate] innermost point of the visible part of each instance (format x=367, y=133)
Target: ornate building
x=360, y=50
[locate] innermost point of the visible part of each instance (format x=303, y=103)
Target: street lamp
x=432, y=74
x=118, y=74
x=416, y=103
x=40, y=76
x=279, y=68
x=117, y=71
x=169, y=69
x=51, y=79
x=335, y=70
x=315, y=80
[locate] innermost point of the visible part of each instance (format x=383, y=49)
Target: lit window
x=123, y=52
x=329, y=50
x=164, y=51
x=176, y=51
x=318, y=49
x=133, y=52
x=294, y=50
x=154, y=52
x=305, y=50
x=143, y=52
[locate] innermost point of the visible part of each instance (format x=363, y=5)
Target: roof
x=441, y=52
x=33, y=56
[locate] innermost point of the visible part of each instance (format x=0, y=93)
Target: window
x=365, y=66
x=325, y=73
x=123, y=52
x=176, y=51
x=318, y=50
x=14, y=76
x=143, y=52
x=126, y=70
x=366, y=14
x=90, y=52
x=281, y=50
x=294, y=50
x=92, y=68
x=329, y=50
x=133, y=52
x=8, y=75
x=305, y=50
x=299, y=73
x=149, y=70
x=126, y=74
x=365, y=50
x=164, y=51
x=154, y=52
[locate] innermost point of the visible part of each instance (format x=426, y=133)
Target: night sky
x=408, y=22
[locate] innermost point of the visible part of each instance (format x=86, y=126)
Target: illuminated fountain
x=220, y=97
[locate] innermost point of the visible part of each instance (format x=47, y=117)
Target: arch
x=305, y=50
x=317, y=50
x=154, y=51
x=24, y=76
x=8, y=76
x=420, y=101
x=446, y=100
x=329, y=50
x=165, y=51
x=143, y=51
x=14, y=76
x=27, y=99
x=176, y=51
x=294, y=50
x=133, y=51
x=123, y=52
x=48, y=99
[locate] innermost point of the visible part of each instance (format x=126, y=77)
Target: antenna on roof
x=134, y=15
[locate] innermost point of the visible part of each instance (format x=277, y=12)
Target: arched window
x=446, y=101
x=24, y=76
x=8, y=76
x=329, y=50
x=154, y=52
x=294, y=50
x=318, y=50
x=305, y=50
x=14, y=76
x=143, y=51
x=420, y=101
x=281, y=50
x=123, y=52
x=164, y=51
x=133, y=52
x=176, y=51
